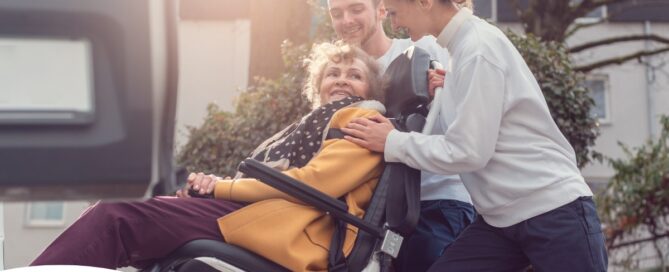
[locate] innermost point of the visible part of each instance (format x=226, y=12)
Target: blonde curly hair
x=459, y=3
x=324, y=53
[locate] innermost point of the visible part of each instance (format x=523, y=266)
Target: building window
x=45, y=214
x=486, y=9
x=598, y=89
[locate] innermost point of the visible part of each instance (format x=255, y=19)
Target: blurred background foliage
x=226, y=138
x=637, y=196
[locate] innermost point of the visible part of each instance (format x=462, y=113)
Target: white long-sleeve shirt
x=501, y=139
x=433, y=186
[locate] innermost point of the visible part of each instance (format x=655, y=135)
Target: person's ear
x=381, y=10
x=425, y=4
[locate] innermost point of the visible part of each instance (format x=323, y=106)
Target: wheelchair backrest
x=407, y=92
x=396, y=200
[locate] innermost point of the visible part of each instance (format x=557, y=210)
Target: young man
x=534, y=205
x=446, y=207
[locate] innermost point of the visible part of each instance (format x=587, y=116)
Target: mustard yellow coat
x=296, y=236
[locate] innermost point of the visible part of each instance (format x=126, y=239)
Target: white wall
x=214, y=62
x=22, y=242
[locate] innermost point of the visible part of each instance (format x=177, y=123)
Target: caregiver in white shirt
x=534, y=205
x=446, y=208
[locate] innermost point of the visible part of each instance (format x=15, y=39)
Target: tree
x=555, y=20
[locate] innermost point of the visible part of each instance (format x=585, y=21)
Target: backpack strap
x=335, y=133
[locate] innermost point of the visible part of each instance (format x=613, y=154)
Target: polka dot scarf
x=298, y=143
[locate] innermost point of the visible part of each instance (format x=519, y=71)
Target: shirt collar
x=449, y=31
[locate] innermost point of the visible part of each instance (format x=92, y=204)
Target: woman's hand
x=203, y=184
x=369, y=133
x=435, y=79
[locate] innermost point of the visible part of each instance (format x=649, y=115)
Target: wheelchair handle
x=436, y=65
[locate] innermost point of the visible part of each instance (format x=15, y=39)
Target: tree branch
x=578, y=26
x=586, y=6
x=619, y=60
x=582, y=9
x=634, y=242
x=608, y=41
x=610, y=13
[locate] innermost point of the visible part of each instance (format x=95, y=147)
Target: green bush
x=638, y=194
x=567, y=99
x=226, y=138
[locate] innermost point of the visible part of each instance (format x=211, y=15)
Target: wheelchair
x=393, y=211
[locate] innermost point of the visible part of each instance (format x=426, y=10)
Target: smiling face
x=355, y=21
x=410, y=15
x=344, y=79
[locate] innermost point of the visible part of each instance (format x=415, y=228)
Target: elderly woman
x=244, y=211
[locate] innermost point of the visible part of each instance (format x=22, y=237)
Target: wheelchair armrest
x=305, y=193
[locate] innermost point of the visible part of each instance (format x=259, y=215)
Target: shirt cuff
x=392, y=152
x=223, y=189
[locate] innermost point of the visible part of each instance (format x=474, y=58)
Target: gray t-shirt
x=427, y=43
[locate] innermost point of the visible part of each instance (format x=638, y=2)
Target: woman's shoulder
x=369, y=105
x=364, y=108
x=483, y=40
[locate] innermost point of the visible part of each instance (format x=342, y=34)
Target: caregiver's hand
x=435, y=79
x=370, y=133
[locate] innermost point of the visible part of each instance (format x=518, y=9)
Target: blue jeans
x=441, y=221
x=568, y=238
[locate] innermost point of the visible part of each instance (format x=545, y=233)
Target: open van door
x=87, y=98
